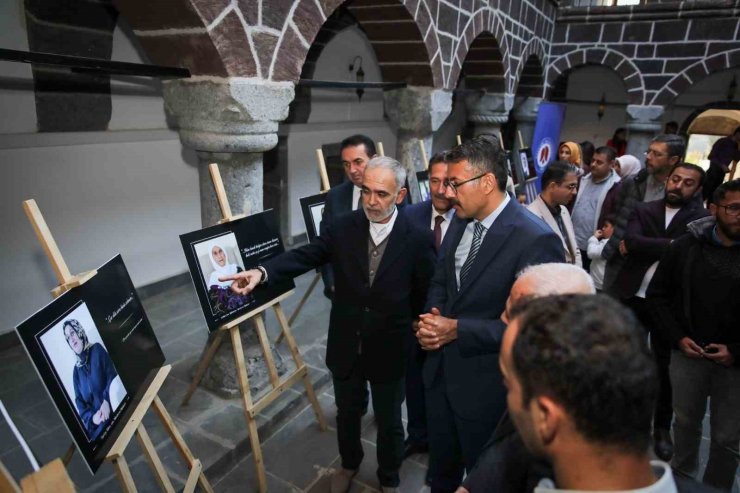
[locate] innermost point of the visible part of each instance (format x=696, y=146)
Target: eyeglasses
x=655, y=153
x=455, y=186
x=731, y=210
x=572, y=186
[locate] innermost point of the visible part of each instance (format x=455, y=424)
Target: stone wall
x=659, y=50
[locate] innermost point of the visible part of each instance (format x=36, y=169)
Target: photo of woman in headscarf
x=222, y=298
x=92, y=377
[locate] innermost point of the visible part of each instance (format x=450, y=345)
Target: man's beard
x=676, y=200
x=727, y=231
x=377, y=216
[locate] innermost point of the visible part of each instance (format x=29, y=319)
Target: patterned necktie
x=438, y=231
x=474, y=247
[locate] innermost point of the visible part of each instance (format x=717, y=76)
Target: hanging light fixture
x=601, y=109
x=359, y=75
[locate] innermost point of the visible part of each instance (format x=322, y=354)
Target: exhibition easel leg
x=182, y=447
x=153, y=459
x=298, y=309
x=290, y=340
x=67, y=457
x=249, y=414
x=123, y=473
x=205, y=359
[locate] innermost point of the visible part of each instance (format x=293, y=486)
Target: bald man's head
x=547, y=279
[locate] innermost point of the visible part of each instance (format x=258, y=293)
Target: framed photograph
x=226, y=249
x=313, y=211
x=422, y=178
x=527, y=164
x=95, y=352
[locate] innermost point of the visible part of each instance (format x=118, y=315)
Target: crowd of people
x=518, y=336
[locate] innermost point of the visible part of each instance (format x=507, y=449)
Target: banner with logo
x=546, y=135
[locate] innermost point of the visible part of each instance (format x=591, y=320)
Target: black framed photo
x=527, y=163
x=95, y=352
x=313, y=212
x=422, y=178
x=226, y=249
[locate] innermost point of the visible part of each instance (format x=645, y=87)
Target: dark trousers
x=585, y=261
x=454, y=443
x=715, y=177
x=387, y=397
x=416, y=428
x=661, y=349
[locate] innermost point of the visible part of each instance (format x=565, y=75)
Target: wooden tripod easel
x=151, y=399
x=252, y=408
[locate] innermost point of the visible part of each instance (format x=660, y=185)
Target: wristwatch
x=263, y=279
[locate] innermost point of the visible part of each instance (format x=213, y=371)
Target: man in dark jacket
x=382, y=267
x=650, y=230
x=723, y=153
x=693, y=295
x=664, y=153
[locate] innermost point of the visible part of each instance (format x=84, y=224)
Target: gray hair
x=386, y=162
x=558, y=278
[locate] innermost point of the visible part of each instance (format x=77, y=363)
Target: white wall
x=581, y=121
x=132, y=189
x=336, y=105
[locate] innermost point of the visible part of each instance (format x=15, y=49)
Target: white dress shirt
x=379, y=232
x=446, y=223
x=356, y=193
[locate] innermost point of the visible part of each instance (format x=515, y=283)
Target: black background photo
x=258, y=239
x=128, y=336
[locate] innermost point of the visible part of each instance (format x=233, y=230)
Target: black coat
x=647, y=239
x=372, y=320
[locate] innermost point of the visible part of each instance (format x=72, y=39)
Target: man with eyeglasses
x=693, y=295
x=493, y=240
x=664, y=152
x=591, y=194
x=436, y=214
x=559, y=186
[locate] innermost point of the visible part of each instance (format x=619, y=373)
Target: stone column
x=489, y=112
x=525, y=114
x=415, y=114
x=643, y=123
x=232, y=122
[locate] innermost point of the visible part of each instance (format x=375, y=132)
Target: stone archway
x=530, y=74
x=695, y=73
x=606, y=57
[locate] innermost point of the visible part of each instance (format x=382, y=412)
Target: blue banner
x=546, y=136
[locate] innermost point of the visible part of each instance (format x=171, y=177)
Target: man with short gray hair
x=382, y=266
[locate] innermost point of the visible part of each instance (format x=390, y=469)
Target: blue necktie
x=474, y=247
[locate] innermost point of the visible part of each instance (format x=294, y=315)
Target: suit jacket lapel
x=395, y=246
x=358, y=242
x=492, y=243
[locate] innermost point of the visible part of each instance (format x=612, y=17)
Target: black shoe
x=411, y=448
x=663, y=445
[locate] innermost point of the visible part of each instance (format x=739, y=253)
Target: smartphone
x=711, y=350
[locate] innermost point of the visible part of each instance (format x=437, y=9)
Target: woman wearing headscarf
x=626, y=166
x=571, y=152
x=221, y=296
x=93, y=374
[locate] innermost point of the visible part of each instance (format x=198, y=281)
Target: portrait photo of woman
x=95, y=380
x=222, y=260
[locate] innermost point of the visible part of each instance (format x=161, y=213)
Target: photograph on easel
x=422, y=178
x=225, y=249
x=95, y=352
x=313, y=212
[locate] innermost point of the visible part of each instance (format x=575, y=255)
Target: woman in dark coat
x=93, y=374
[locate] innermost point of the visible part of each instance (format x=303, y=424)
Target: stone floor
x=297, y=455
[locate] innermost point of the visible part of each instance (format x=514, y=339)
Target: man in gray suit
x=559, y=186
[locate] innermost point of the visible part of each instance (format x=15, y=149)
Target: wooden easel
x=252, y=408
x=151, y=399
x=424, y=158
x=459, y=140
x=324, y=189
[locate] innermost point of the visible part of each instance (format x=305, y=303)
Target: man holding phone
x=693, y=298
